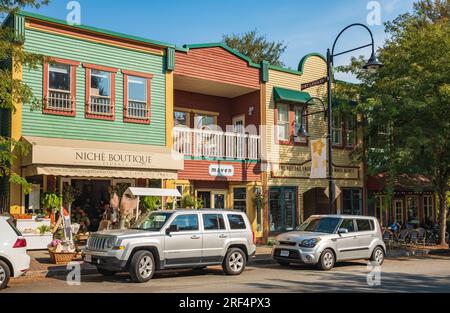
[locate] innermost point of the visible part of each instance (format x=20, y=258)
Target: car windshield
x=327, y=225
x=152, y=221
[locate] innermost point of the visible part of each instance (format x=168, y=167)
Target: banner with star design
x=319, y=159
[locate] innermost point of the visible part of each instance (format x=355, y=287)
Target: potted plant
x=188, y=202
x=44, y=229
x=69, y=195
x=150, y=204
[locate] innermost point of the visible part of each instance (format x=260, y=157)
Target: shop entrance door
x=213, y=199
x=92, y=197
x=283, y=209
x=219, y=199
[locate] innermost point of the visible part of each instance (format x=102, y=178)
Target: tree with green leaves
x=12, y=90
x=406, y=105
x=257, y=47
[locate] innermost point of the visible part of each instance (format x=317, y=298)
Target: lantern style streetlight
x=372, y=66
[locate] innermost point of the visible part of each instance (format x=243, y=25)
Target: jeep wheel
x=142, y=266
x=235, y=261
x=327, y=260
x=4, y=274
x=105, y=272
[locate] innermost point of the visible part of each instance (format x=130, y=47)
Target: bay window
x=100, y=92
x=137, y=97
x=59, y=87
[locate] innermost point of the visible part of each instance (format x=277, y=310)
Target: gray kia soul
x=325, y=240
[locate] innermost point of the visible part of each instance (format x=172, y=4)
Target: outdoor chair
x=402, y=239
x=413, y=239
x=388, y=238
x=421, y=236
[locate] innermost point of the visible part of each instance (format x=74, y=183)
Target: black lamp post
x=372, y=66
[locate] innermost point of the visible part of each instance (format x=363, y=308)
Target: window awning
x=77, y=158
x=152, y=192
x=290, y=95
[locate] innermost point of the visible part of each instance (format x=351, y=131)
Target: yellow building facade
x=291, y=196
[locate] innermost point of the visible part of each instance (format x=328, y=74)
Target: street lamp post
x=372, y=66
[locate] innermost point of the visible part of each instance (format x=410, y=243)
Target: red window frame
x=148, y=77
x=344, y=131
x=113, y=71
x=73, y=86
x=291, y=141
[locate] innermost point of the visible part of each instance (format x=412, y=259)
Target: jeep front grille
x=97, y=243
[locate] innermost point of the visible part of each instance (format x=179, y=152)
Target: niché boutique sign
x=112, y=159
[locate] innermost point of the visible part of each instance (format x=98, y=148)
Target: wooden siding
x=216, y=64
x=37, y=124
x=199, y=170
x=315, y=68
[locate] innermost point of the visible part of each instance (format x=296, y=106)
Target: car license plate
x=88, y=258
x=284, y=253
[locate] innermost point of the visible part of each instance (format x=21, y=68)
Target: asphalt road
x=430, y=274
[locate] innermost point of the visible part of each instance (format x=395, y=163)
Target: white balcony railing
x=59, y=100
x=216, y=144
x=137, y=110
x=100, y=106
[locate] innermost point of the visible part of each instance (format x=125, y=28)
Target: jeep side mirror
x=343, y=231
x=172, y=229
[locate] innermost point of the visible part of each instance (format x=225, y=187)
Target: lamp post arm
x=340, y=34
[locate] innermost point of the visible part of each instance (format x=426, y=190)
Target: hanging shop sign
x=303, y=171
x=221, y=170
x=319, y=159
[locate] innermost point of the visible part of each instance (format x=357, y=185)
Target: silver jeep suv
x=174, y=239
x=325, y=240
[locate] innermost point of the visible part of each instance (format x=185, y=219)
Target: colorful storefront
x=205, y=119
x=291, y=195
x=106, y=99
x=413, y=200
x=217, y=100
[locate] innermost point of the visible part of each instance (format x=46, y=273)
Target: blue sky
x=305, y=25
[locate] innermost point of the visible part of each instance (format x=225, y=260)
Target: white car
x=14, y=260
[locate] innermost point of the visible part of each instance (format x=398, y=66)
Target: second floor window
x=283, y=124
x=350, y=132
x=181, y=119
x=337, y=131
x=60, y=87
x=299, y=121
x=100, y=92
x=100, y=101
x=137, y=97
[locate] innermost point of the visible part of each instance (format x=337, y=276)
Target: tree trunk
x=442, y=216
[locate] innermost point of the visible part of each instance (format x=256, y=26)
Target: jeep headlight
x=310, y=243
x=110, y=243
